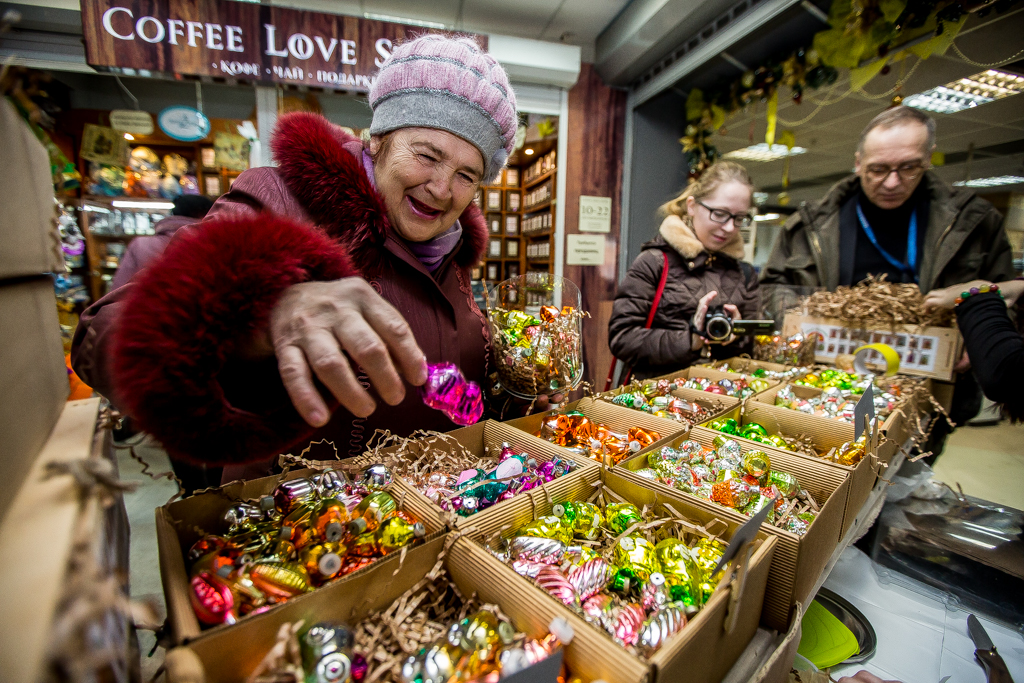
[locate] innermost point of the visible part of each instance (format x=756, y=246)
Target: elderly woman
x=313, y=296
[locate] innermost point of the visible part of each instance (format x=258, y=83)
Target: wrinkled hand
x=863, y=677
x=315, y=324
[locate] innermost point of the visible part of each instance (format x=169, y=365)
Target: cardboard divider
x=798, y=389
x=616, y=417
x=747, y=366
x=825, y=434
x=703, y=651
x=181, y=523
x=798, y=560
x=484, y=440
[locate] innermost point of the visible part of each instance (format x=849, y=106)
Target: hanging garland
x=861, y=30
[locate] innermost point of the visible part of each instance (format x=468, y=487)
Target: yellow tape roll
x=892, y=359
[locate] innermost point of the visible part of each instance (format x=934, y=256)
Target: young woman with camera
x=696, y=263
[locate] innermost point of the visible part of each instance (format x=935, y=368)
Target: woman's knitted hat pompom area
x=451, y=84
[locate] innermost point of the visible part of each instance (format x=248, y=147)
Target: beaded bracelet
x=973, y=291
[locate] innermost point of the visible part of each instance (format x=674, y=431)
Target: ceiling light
x=403, y=20
x=967, y=93
x=527, y=152
x=129, y=136
x=143, y=205
x=767, y=217
x=994, y=181
x=762, y=152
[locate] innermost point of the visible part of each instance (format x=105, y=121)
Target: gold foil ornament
x=395, y=532
x=279, y=580
x=548, y=527
x=635, y=553
x=371, y=511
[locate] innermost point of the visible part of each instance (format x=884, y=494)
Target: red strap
x=659, y=292
x=647, y=325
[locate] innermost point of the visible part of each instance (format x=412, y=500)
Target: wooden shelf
x=539, y=179
x=539, y=207
x=538, y=233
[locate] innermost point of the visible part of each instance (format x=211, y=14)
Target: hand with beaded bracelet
x=948, y=297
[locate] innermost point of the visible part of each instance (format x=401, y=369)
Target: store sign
x=239, y=40
x=131, y=121
x=584, y=250
x=184, y=123
x=595, y=214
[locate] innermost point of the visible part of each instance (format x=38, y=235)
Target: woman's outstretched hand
x=325, y=329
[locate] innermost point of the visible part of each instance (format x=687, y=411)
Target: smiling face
x=427, y=178
x=733, y=197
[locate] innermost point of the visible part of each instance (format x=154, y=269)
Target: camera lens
x=719, y=328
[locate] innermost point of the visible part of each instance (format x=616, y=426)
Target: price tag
x=865, y=406
x=595, y=214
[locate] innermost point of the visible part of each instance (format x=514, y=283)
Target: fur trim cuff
x=190, y=312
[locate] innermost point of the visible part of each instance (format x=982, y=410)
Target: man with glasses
x=893, y=216
x=896, y=217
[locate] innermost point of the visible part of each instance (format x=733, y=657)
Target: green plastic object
x=825, y=640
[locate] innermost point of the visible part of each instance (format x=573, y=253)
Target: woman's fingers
x=396, y=334
x=702, y=310
x=298, y=381
x=368, y=350
x=733, y=312
x=331, y=367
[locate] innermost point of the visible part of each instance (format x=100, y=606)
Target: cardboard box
x=618, y=418
x=28, y=229
x=181, y=523
x=825, y=433
x=713, y=402
x=799, y=560
x=484, y=440
x=33, y=378
x=778, y=665
x=923, y=351
x=704, y=651
x=45, y=517
x=229, y=656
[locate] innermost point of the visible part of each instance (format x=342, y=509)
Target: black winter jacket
x=693, y=272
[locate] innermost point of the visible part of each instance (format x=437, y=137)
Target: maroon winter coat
x=144, y=250
x=164, y=346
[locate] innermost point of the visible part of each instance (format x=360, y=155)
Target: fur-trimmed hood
x=681, y=237
x=318, y=167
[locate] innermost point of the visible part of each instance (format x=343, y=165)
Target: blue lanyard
x=911, y=265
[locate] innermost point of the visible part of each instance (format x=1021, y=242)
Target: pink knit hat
x=450, y=84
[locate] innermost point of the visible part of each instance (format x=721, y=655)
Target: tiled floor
x=145, y=569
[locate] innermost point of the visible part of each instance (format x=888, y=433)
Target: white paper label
x=916, y=351
x=584, y=250
x=595, y=214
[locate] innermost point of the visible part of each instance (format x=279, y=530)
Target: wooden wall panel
x=597, y=126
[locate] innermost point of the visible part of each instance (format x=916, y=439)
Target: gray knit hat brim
x=442, y=109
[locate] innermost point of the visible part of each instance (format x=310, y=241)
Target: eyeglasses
x=721, y=216
x=879, y=173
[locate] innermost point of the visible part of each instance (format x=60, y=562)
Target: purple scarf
x=432, y=252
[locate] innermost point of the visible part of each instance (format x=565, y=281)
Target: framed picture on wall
x=492, y=271
x=209, y=156
x=512, y=248
x=511, y=270
x=494, y=248
x=212, y=187
x=494, y=223
x=494, y=200
x=512, y=201
x=512, y=177
x=512, y=225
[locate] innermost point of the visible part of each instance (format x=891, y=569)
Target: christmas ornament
x=447, y=390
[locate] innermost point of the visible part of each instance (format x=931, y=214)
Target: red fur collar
x=333, y=187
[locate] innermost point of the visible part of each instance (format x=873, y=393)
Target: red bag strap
x=650, y=319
